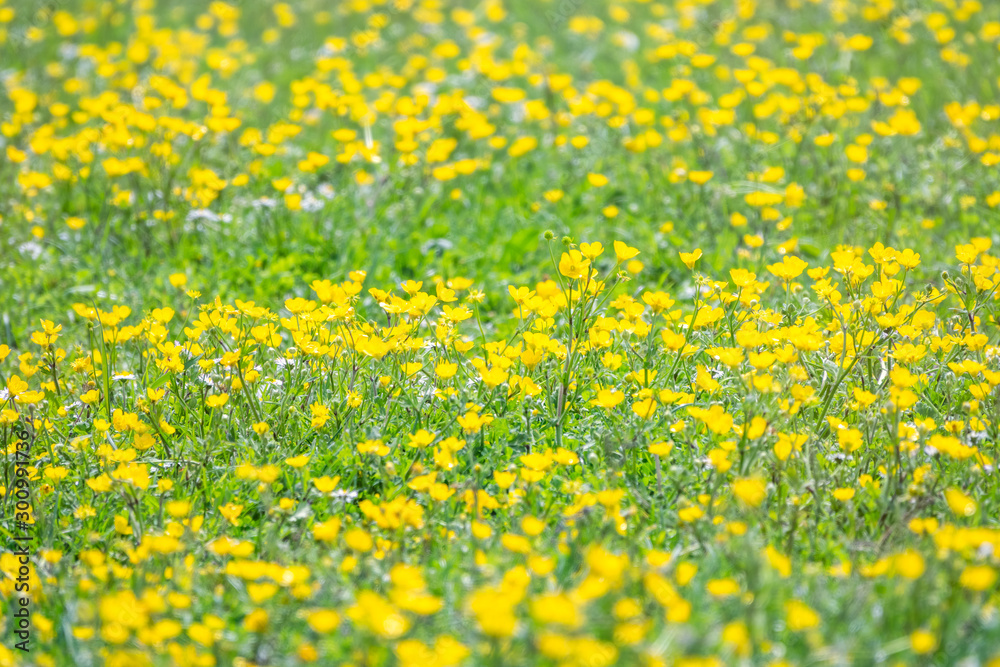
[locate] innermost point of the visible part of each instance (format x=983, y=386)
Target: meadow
x=430, y=333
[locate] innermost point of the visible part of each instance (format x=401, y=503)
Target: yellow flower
x=327, y=531
x=689, y=258
x=320, y=415
x=690, y=514
x=556, y=609
x=256, y=621
x=178, y=508
x=624, y=252
x=922, y=642
x=800, y=616
x=326, y=484
x=216, y=400
x=608, y=398
x=960, y=503
x=421, y=438
x=589, y=250
x=780, y=562
x=722, y=587
x=978, y=577
x=445, y=370
x=752, y=490
x=298, y=461
x=122, y=526
x=358, y=540
x=645, y=408
x=574, y=265
x=231, y=512
x=323, y=621
x=844, y=494
x=661, y=448
x=909, y=564
x=473, y=422
x=789, y=268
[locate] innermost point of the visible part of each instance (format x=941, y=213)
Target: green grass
x=287, y=403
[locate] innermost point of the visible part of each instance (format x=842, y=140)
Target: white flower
x=202, y=214
x=311, y=204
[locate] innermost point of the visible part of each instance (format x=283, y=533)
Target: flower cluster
x=440, y=333
x=368, y=471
